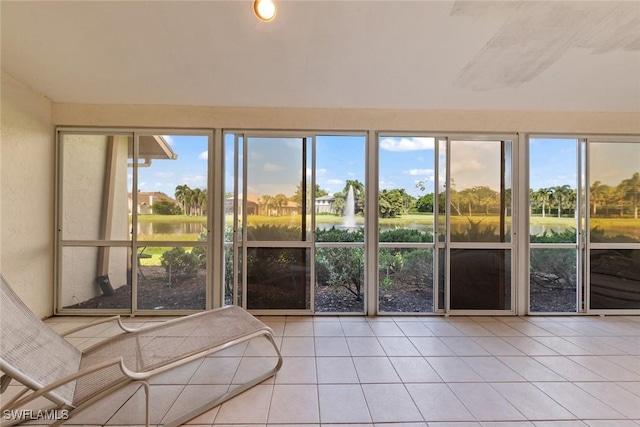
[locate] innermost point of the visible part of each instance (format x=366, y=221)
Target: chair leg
x=147, y=405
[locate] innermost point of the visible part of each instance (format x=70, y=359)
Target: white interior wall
x=346, y=119
x=27, y=195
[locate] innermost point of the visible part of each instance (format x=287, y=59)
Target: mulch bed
x=155, y=293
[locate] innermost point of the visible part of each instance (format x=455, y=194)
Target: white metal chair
x=48, y=365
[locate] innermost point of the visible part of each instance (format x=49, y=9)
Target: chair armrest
x=98, y=322
x=18, y=402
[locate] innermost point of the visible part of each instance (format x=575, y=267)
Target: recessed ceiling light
x=265, y=10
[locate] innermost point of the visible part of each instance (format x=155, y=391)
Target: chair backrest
x=30, y=351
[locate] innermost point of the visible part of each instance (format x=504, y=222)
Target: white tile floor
x=407, y=372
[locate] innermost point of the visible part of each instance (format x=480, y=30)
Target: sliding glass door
x=480, y=227
x=132, y=220
x=294, y=209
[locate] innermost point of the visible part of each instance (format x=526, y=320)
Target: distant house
x=252, y=205
x=146, y=199
x=324, y=204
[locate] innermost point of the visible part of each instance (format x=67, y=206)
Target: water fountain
x=349, y=210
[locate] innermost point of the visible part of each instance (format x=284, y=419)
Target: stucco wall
x=84, y=206
x=26, y=195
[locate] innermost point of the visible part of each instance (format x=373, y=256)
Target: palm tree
x=265, y=202
x=597, y=194
x=280, y=201
x=560, y=195
x=180, y=193
x=543, y=196
x=631, y=190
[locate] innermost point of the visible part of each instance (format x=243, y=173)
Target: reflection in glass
x=278, y=278
x=614, y=192
x=442, y=193
x=405, y=280
x=339, y=280
x=172, y=187
x=172, y=278
x=615, y=279
x=553, y=280
x=339, y=190
x=84, y=288
x=274, y=203
x=94, y=188
x=480, y=193
x=480, y=279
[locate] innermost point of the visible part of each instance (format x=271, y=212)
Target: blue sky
x=275, y=164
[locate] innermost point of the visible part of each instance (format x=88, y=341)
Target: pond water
x=151, y=228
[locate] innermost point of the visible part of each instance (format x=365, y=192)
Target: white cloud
x=407, y=144
x=169, y=139
x=204, y=155
x=195, y=180
x=271, y=167
x=319, y=172
x=163, y=174
x=420, y=172
x=335, y=182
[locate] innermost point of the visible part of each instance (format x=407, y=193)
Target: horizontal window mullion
x=554, y=245
x=339, y=244
x=406, y=245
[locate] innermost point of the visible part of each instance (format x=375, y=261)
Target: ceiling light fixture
x=265, y=10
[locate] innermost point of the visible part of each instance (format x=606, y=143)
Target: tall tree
x=631, y=190
x=597, y=195
x=180, y=194
x=280, y=201
x=560, y=196
x=543, y=196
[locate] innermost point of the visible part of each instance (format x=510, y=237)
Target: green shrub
x=179, y=263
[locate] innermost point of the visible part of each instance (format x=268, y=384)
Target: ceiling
x=503, y=55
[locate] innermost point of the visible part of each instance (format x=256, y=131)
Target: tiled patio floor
x=408, y=372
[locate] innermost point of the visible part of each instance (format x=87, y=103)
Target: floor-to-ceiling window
x=136, y=232
x=408, y=194
x=613, y=177
x=294, y=209
x=554, y=222
x=133, y=232
x=480, y=224
x=584, y=229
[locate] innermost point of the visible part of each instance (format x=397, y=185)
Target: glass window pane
x=278, y=278
x=480, y=279
x=553, y=184
x=406, y=188
x=339, y=280
x=614, y=192
x=172, y=278
x=553, y=280
x=172, y=187
x=480, y=194
x=442, y=191
x=340, y=191
x=615, y=279
x=406, y=280
x=95, y=278
x=96, y=172
x=274, y=175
